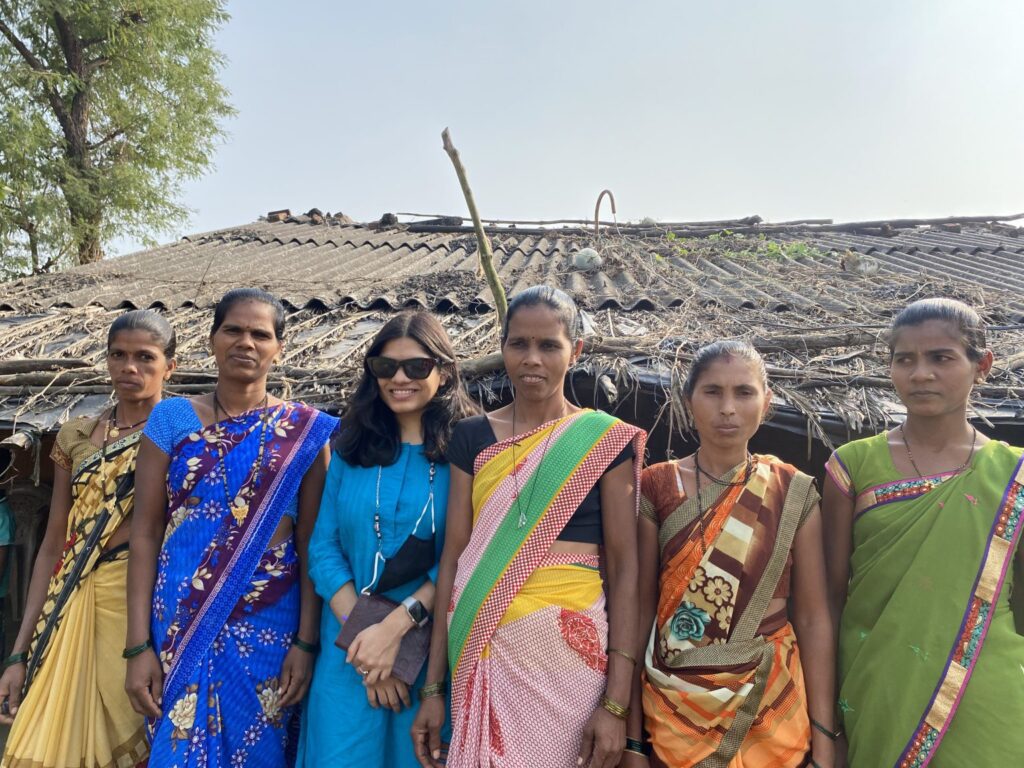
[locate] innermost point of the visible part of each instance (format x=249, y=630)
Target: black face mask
x=412, y=560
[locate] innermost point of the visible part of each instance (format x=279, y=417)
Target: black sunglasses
x=414, y=367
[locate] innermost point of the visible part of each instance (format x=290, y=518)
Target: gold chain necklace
x=239, y=505
x=113, y=429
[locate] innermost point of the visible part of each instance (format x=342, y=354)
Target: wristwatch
x=417, y=611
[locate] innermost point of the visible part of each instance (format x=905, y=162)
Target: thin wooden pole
x=483, y=243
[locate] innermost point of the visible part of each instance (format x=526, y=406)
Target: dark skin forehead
x=931, y=336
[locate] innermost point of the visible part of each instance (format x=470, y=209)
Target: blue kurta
x=339, y=727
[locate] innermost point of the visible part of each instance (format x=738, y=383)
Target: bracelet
x=302, y=645
x=15, y=658
x=635, y=751
x=431, y=690
x=832, y=735
x=635, y=745
x=623, y=654
x=135, y=650
x=615, y=708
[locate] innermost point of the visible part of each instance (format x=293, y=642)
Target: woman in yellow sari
x=74, y=712
x=732, y=586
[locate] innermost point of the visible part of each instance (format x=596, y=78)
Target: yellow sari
x=75, y=713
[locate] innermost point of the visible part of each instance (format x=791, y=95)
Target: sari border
x=1004, y=534
x=891, y=491
x=556, y=503
x=97, y=455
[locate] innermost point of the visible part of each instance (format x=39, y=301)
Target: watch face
x=417, y=611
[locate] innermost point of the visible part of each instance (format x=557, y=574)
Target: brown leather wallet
x=412, y=653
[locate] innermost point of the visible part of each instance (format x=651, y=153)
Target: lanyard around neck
x=378, y=559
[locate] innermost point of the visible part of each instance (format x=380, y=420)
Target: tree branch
x=26, y=53
x=108, y=138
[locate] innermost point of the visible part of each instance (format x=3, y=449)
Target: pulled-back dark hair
x=707, y=354
x=149, y=321
x=963, y=318
x=369, y=433
x=552, y=298
x=237, y=296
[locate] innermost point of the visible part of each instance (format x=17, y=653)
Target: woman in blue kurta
x=380, y=532
x=223, y=621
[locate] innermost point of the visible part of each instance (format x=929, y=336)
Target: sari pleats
x=77, y=713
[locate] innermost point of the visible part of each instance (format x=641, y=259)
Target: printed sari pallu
x=226, y=601
x=722, y=683
x=75, y=711
x=527, y=628
x=931, y=667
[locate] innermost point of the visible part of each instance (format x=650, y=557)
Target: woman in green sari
x=922, y=525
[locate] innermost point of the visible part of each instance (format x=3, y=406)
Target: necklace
x=701, y=512
x=113, y=429
x=379, y=560
x=717, y=481
x=958, y=470
x=239, y=505
x=515, y=465
x=217, y=407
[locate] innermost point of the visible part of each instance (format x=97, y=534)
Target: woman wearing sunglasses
x=379, y=535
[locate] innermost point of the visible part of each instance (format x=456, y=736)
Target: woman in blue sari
x=222, y=617
x=379, y=532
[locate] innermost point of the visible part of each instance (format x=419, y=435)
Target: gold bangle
x=615, y=708
x=624, y=654
x=431, y=690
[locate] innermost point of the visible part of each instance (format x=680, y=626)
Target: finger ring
x=363, y=672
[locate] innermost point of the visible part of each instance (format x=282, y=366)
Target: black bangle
x=634, y=745
x=831, y=735
x=135, y=650
x=302, y=645
x=15, y=658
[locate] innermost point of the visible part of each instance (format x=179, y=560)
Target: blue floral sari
x=226, y=602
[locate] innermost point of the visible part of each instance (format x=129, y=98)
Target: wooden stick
x=38, y=364
x=483, y=243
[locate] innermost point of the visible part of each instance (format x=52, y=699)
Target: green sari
x=931, y=666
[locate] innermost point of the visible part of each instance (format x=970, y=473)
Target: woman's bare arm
x=144, y=683
x=310, y=491
x=426, y=730
x=604, y=736
x=49, y=550
x=814, y=631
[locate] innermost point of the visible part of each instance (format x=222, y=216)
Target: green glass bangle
x=634, y=745
x=302, y=645
x=131, y=653
x=15, y=658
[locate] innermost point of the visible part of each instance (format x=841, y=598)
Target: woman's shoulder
x=472, y=423
x=173, y=408
x=857, y=449
x=659, y=479
x=76, y=429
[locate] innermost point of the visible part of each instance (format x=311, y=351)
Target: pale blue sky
x=686, y=110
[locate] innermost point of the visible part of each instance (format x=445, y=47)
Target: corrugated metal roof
x=337, y=263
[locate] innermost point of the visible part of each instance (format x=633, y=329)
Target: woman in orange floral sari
x=738, y=539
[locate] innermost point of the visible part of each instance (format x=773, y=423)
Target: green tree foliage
x=106, y=108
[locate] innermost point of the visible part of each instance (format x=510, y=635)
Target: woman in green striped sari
x=922, y=525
